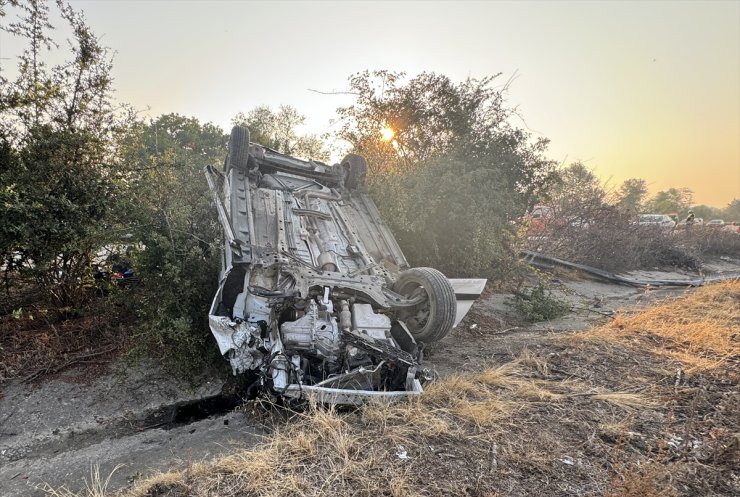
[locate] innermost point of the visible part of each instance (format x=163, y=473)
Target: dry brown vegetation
x=609, y=239
x=602, y=413
x=36, y=341
x=702, y=330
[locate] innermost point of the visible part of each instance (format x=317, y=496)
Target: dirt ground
x=582, y=416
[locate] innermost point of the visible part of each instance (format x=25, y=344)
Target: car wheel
x=356, y=170
x=433, y=318
x=238, y=156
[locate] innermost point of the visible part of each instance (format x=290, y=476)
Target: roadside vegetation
x=584, y=221
x=643, y=406
x=82, y=173
x=538, y=304
x=82, y=177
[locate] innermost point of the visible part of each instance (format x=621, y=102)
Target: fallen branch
x=74, y=360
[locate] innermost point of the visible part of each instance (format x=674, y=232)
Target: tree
x=277, y=130
x=57, y=125
x=732, y=211
x=454, y=173
x=167, y=206
x=576, y=188
x=33, y=88
x=706, y=212
x=673, y=200
x=631, y=196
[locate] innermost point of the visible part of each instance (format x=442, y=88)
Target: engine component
x=316, y=332
x=280, y=369
x=366, y=320
x=384, y=348
x=345, y=316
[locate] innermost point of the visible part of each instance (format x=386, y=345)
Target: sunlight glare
x=387, y=133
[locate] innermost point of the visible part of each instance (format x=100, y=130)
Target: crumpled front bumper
x=327, y=395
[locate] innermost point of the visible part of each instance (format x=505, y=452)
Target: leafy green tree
x=732, y=211
x=576, y=189
x=167, y=206
x=51, y=204
x=277, y=130
x=455, y=171
x=57, y=125
x=631, y=196
x=707, y=212
x=24, y=102
x=672, y=200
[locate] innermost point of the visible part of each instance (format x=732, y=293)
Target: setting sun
x=387, y=134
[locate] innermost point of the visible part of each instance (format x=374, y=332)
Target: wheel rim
x=416, y=318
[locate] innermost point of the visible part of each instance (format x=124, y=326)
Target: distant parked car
x=663, y=221
x=716, y=223
x=538, y=219
x=732, y=227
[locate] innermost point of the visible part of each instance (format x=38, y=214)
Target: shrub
x=537, y=304
x=169, y=210
x=455, y=173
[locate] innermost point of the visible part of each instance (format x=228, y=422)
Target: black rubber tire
x=356, y=169
x=441, y=301
x=238, y=149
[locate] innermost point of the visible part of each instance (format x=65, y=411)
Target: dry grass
x=650, y=480
x=448, y=436
x=96, y=486
x=701, y=329
x=601, y=419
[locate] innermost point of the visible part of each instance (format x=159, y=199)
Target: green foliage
x=454, y=175
x=573, y=188
x=670, y=201
x=168, y=209
x=539, y=304
x=631, y=196
x=452, y=214
x=707, y=212
x=277, y=130
x=51, y=202
x=56, y=126
x=732, y=211
x=77, y=172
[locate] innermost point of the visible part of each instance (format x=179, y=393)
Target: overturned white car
x=316, y=299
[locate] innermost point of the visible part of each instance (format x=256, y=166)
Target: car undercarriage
x=316, y=299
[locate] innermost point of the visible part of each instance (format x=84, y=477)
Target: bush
x=610, y=241
x=539, y=304
x=705, y=241
x=169, y=210
x=452, y=214
x=455, y=172
x=57, y=129
x=594, y=233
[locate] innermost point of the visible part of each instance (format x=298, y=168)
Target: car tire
x=440, y=306
x=355, y=167
x=238, y=156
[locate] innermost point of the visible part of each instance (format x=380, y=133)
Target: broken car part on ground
x=316, y=298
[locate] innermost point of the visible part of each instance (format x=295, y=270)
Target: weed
x=539, y=304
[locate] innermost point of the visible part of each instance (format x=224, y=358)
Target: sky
x=631, y=89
